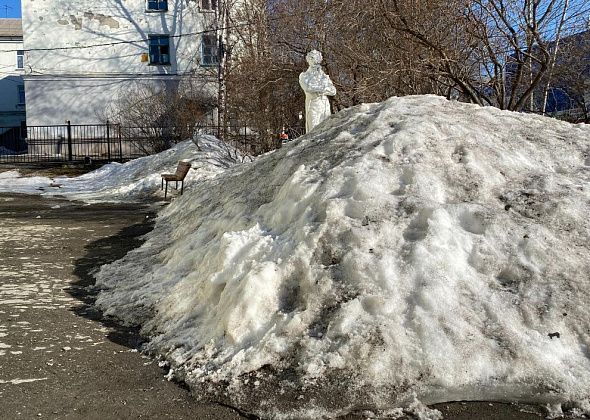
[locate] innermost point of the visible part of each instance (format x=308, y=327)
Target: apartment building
x=83, y=58
x=12, y=69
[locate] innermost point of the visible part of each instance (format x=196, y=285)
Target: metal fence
x=78, y=143
x=239, y=136
x=66, y=143
x=249, y=141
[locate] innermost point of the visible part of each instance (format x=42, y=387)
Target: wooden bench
x=181, y=171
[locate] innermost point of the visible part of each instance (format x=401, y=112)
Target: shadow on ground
x=98, y=253
x=105, y=251
x=130, y=221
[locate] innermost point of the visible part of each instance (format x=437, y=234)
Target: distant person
x=284, y=136
x=317, y=87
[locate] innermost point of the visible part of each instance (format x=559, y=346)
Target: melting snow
x=22, y=381
x=408, y=252
x=414, y=248
x=135, y=180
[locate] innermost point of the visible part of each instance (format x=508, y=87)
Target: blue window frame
x=157, y=5
x=209, y=50
x=159, y=49
x=20, y=59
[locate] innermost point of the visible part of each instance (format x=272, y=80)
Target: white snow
x=134, y=180
x=12, y=181
x=22, y=381
x=414, y=248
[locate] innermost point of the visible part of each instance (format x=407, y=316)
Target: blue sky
x=10, y=9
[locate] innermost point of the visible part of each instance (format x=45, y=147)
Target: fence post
x=70, y=157
x=108, y=141
x=120, y=145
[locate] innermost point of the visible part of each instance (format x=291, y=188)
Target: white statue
x=316, y=84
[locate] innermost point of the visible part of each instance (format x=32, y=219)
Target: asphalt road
x=57, y=358
x=60, y=360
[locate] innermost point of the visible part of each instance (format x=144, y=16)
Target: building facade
x=83, y=59
x=12, y=69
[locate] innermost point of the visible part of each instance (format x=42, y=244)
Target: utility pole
x=218, y=38
x=222, y=31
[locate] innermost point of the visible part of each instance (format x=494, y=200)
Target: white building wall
x=78, y=82
x=12, y=112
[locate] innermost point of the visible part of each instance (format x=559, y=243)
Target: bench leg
x=162, y=184
x=181, y=187
x=166, y=191
x=176, y=187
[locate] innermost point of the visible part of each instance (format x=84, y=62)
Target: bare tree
x=555, y=49
x=494, y=52
x=366, y=61
x=154, y=116
x=503, y=53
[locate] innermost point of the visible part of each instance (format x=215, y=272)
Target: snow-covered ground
x=416, y=248
x=135, y=180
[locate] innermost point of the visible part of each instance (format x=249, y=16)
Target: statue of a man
x=316, y=84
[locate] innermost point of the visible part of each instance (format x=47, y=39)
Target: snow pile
x=134, y=180
x=12, y=181
x=413, y=248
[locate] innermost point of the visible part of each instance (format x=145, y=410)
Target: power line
x=141, y=40
x=108, y=44
x=222, y=28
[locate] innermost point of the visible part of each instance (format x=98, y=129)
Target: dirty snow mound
x=413, y=248
x=134, y=180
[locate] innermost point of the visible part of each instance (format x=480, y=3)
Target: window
x=20, y=59
x=208, y=4
x=159, y=49
x=157, y=5
x=209, y=50
x=21, y=94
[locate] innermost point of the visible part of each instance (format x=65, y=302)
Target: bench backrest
x=182, y=169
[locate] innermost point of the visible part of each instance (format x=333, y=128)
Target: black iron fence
x=66, y=143
x=240, y=137
x=113, y=142
x=250, y=141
